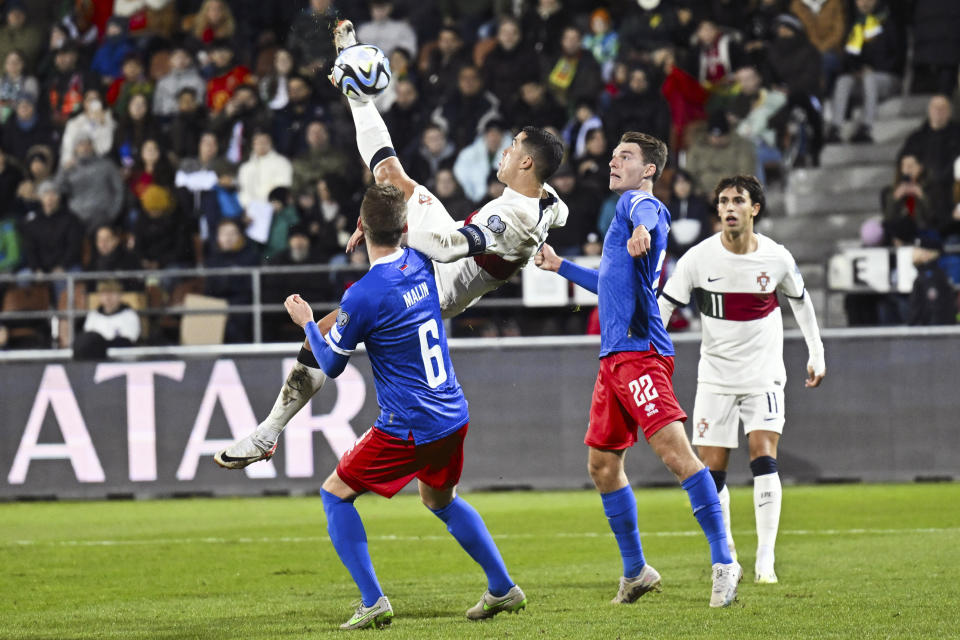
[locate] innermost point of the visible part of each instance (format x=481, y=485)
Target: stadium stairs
x=820, y=210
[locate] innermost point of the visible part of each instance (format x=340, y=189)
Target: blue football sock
x=350, y=541
x=620, y=507
x=466, y=525
x=702, y=491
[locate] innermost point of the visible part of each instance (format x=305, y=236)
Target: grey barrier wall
x=887, y=411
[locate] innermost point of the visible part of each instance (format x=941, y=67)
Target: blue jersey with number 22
x=394, y=309
x=629, y=315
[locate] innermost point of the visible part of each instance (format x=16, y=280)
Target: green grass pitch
x=854, y=561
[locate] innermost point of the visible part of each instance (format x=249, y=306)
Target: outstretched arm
x=453, y=243
x=807, y=319
x=548, y=260
x=331, y=362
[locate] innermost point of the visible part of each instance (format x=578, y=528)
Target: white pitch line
x=506, y=536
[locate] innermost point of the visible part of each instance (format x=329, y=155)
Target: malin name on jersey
x=415, y=295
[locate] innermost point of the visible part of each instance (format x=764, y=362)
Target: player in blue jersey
x=634, y=385
x=394, y=310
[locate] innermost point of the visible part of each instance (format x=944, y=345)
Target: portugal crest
x=702, y=426
x=763, y=280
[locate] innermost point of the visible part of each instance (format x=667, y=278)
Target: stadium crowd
x=147, y=134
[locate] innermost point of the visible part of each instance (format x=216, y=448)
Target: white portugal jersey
x=742, y=343
x=518, y=226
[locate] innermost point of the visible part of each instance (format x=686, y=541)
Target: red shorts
x=384, y=464
x=633, y=388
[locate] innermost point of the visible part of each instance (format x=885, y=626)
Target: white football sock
x=725, y=507
x=767, y=497
x=301, y=385
x=372, y=133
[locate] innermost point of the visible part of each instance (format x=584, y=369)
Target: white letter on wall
x=55, y=391
x=224, y=387
x=141, y=411
x=335, y=426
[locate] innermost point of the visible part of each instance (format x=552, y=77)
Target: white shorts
x=717, y=416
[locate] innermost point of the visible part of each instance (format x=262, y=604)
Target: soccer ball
x=361, y=72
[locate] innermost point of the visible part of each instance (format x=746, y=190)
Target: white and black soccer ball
x=361, y=72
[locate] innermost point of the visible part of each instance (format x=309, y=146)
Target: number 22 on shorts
x=643, y=390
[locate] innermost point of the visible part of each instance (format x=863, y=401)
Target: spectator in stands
x=290, y=123
x=92, y=186
x=224, y=73
x=442, y=68
x=796, y=64
x=936, y=144
x=320, y=158
x=465, y=112
x=52, y=237
x=872, y=61
x=933, y=300
x=39, y=165
x=284, y=217
x=475, y=162
x=685, y=96
x=109, y=254
x=10, y=178
x=717, y=56
x=9, y=245
x=136, y=126
x=65, y=85
x=759, y=29
x=936, y=46
x=111, y=324
x=233, y=250
x=543, y=27
x=435, y=151
x=574, y=75
x=537, y=107
x=214, y=22
x=263, y=172
x=160, y=234
x=825, y=23
x=593, y=170
x=274, y=91
x=18, y=34
x=906, y=206
x=152, y=167
x=25, y=127
x=385, y=32
x=602, y=41
x=719, y=152
x=113, y=50
x=309, y=39
x=94, y=123
x=450, y=193
x=323, y=214
x=509, y=64
x=276, y=287
x=584, y=120
x=14, y=83
x=406, y=117
x=182, y=75
x=649, y=26
x=236, y=123
x=569, y=239
x=640, y=106
x=132, y=81
x=752, y=109
x=691, y=214
x=187, y=125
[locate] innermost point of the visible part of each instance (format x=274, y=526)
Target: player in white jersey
x=734, y=276
x=497, y=241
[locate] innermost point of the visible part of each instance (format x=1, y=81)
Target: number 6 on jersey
x=434, y=353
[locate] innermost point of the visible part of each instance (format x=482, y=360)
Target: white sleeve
x=453, y=243
x=559, y=209
x=666, y=309
x=792, y=283
x=680, y=283
x=807, y=320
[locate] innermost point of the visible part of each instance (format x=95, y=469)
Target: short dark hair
x=384, y=214
x=546, y=150
x=653, y=149
x=742, y=183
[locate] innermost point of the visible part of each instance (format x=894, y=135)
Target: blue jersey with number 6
x=395, y=310
x=627, y=289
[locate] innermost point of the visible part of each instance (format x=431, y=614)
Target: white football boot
x=632, y=588
x=726, y=577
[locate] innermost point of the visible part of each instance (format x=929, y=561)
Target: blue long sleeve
x=589, y=279
x=330, y=361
